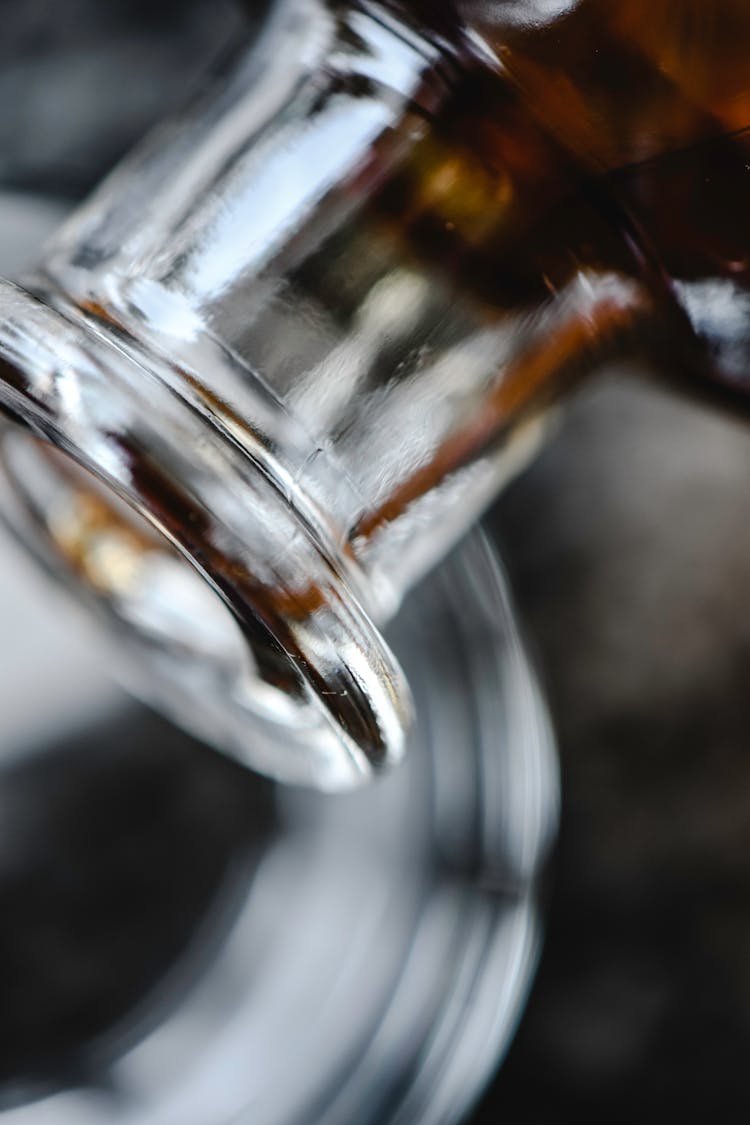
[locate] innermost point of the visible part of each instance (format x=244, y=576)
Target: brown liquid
x=614, y=140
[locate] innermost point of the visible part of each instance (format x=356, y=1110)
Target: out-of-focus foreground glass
x=183, y=941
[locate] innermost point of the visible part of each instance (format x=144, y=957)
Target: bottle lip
x=321, y=699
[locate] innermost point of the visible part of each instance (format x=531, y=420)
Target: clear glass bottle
x=306, y=332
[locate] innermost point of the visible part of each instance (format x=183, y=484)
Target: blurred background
x=628, y=549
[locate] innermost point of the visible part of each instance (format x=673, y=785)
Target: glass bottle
x=308, y=330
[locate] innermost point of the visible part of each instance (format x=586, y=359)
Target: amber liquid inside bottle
x=611, y=140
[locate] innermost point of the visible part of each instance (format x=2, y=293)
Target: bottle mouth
x=226, y=611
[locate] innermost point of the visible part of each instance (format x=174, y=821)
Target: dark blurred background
x=629, y=553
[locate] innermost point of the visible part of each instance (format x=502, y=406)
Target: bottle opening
x=176, y=643
x=227, y=612
x=121, y=558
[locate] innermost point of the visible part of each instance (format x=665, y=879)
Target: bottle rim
x=325, y=702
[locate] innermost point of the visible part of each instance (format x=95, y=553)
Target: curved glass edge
x=76, y=389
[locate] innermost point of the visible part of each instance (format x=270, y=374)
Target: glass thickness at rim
x=154, y=453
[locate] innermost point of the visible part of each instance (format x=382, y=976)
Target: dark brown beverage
x=611, y=139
